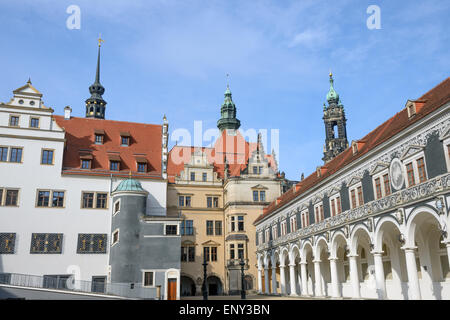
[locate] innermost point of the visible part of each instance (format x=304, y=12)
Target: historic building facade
x=65, y=210
x=372, y=221
x=219, y=192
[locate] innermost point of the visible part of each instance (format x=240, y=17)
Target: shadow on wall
x=7, y=294
x=154, y=208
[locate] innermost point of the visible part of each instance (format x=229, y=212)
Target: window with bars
x=46, y=242
x=7, y=243
x=47, y=156
x=171, y=229
x=91, y=243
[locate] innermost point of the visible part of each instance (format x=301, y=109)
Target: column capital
x=304, y=263
x=282, y=266
x=317, y=261
x=333, y=258
x=377, y=253
x=292, y=265
x=407, y=249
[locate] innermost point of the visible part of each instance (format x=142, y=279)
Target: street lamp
x=242, y=263
x=204, y=288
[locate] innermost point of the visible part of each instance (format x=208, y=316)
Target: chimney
x=67, y=112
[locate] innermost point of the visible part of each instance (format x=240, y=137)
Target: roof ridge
x=119, y=121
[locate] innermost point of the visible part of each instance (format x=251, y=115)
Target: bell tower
x=335, y=125
x=228, y=118
x=95, y=105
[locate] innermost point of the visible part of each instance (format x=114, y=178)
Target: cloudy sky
x=171, y=57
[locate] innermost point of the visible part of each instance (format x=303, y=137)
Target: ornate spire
x=332, y=96
x=95, y=105
x=228, y=118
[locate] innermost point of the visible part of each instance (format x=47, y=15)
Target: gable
x=380, y=166
x=412, y=150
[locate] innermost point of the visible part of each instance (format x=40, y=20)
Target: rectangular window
x=115, y=237
x=293, y=224
x=191, y=253
x=206, y=253
x=183, y=254
x=218, y=228
x=171, y=230
x=262, y=196
x=360, y=196
x=421, y=169
x=187, y=227
x=116, y=206
x=15, y=155
x=240, y=223
x=142, y=167
x=43, y=198
x=216, y=202
x=267, y=237
x=85, y=164
x=233, y=227
x=1, y=196
x=192, y=176
x=58, y=199
x=14, y=121
x=378, y=187
x=213, y=253
x=204, y=176
x=114, y=165
x=305, y=219
x=255, y=170
x=181, y=201
x=98, y=139
x=34, y=122
x=47, y=157
x=11, y=197
x=209, y=228
x=125, y=141
x=7, y=243
x=240, y=251
x=333, y=209
x=149, y=278
x=209, y=202
x=410, y=174
x=101, y=200
x=260, y=170
x=4, y=154
x=46, y=243
x=353, y=196
x=387, y=184
x=255, y=195
x=188, y=201
x=88, y=199
x=91, y=243
x=338, y=205
x=232, y=256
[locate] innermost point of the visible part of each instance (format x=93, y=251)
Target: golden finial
x=331, y=73
x=100, y=40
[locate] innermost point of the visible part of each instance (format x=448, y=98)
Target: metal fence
x=70, y=284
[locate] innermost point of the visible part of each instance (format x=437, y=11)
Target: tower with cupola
x=95, y=104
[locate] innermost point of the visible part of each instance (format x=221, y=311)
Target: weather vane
x=100, y=40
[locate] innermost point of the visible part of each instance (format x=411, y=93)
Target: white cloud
x=309, y=38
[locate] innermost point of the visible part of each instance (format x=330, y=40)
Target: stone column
x=266, y=281
x=379, y=275
x=282, y=280
x=334, y=278
x=274, y=280
x=260, y=280
x=318, y=278
x=304, y=279
x=448, y=252
x=354, y=278
x=292, y=280
x=413, y=278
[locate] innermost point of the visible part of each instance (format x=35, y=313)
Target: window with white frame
x=446, y=144
x=305, y=218
x=381, y=184
x=260, y=237
x=356, y=195
x=148, y=278
x=415, y=169
x=267, y=235
x=318, y=212
x=283, y=226
x=171, y=229
x=293, y=222
x=335, y=204
x=274, y=232
x=115, y=237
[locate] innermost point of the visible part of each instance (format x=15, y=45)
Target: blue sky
x=172, y=57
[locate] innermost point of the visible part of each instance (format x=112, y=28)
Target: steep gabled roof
x=432, y=100
x=145, y=144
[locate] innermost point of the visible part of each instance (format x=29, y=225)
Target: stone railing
x=399, y=198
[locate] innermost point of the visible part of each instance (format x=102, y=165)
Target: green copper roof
x=228, y=118
x=129, y=184
x=332, y=95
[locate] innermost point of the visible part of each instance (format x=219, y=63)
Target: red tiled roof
x=145, y=142
x=233, y=147
x=429, y=102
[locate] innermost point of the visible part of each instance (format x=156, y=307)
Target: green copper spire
x=228, y=118
x=95, y=105
x=332, y=95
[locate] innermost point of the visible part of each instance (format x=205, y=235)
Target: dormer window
x=411, y=108
x=114, y=165
x=99, y=135
x=354, y=147
x=86, y=161
x=142, y=167
x=125, y=139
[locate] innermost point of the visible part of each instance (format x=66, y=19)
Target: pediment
x=333, y=191
x=211, y=243
x=380, y=166
x=411, y=150
x=353, y=180
x=259, y=186
x=27, y=90
x=445, y=134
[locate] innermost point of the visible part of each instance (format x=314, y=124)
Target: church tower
x=228, y=118
x=95, y=105
x=335, y=125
